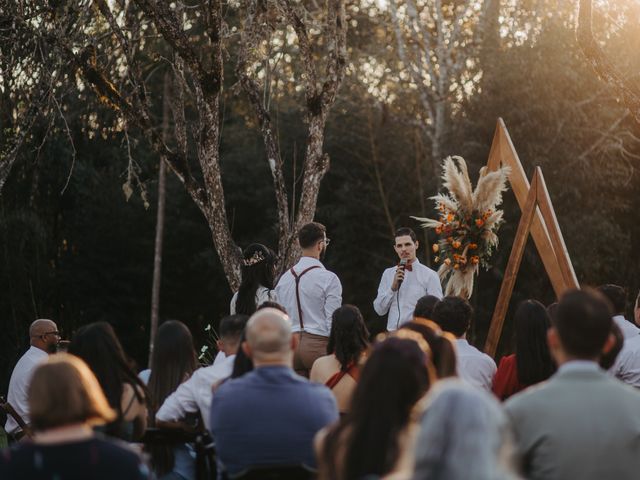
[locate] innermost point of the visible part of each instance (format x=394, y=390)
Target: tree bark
x=157, y=255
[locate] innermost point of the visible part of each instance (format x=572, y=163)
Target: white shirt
x=263, y=294
x=628, y=329
x=627, y=364
x=474, y=367
x=320, y=296
x=195, y=394
x=417, y=283
x=19, y=385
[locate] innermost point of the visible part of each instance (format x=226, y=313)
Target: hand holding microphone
x=399, y=277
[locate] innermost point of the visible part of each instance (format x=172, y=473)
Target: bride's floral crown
x=257, y=257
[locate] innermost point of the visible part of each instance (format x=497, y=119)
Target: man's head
x=44, y=335
x=453, y=314
x=405, y=244
x=616, y=295
x=313, y=240
x=269, y=339
x=230, y=331
x=581, y=327
x=424, y=306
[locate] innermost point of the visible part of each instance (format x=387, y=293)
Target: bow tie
x=409, y=267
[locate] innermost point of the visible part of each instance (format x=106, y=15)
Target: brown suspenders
x=297, y=278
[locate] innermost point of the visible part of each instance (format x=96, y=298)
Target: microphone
x=403, y=263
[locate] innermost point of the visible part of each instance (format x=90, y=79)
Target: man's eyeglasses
x=55, y=332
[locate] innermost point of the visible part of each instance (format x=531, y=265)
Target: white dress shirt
x=627, y=364
x=417, y=283
x=195, y=394
x=628, y=329
x=320, y=296
x=263, y=294
x=19, y=385
x=474, y=367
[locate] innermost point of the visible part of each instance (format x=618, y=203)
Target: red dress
x=505, y=382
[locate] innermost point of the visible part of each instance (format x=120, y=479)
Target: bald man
x=269, y=416
x=44, y=338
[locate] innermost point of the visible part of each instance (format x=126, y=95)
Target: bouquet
x=467, y=224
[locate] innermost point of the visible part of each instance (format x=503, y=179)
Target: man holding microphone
x=403, y=285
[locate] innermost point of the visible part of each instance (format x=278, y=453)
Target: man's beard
x=52, y=348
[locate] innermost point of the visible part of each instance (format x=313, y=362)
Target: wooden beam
x=511, y=272
x=503, y=153
x=557, y=240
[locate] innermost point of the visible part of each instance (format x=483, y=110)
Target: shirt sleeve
x=434, y=286
x=179, y=403
x=385, y=295
x=334, y=298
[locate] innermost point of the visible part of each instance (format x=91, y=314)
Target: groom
x=403, y=285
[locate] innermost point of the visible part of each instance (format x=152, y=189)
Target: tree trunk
x=157, y=255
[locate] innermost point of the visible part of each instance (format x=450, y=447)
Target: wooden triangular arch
x=539, y=219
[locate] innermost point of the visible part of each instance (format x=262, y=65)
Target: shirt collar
x=579, y=366
x=37, y=352
x=308, y=262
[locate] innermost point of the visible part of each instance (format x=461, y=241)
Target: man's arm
x=333, y=299
x=434, y=287
x=180, y=402
x=382, y=303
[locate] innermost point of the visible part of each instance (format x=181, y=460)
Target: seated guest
x=442, y=345
x=173, y=361
x=531, y=363
x=636, y=310
x=464, y=434
x=372, y=439
x=348, y=342
x=618, y=299
x=65, y=400
x=581, y=423
x=99, y=347
x=270, y=415
x=194, y=395
x=424, y=307
x=258, y=279
x=454, y=314
x=43, y=337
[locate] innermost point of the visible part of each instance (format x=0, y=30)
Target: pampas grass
x=468, y=223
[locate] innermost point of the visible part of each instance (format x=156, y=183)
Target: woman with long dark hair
x=531, y=363
x=173, y=362
x=258, y=280
x=339, y=369
x=99, y=347
x=369, y=440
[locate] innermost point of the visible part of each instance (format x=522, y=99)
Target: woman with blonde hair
x=65, y=401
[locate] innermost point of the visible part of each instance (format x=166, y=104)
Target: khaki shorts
x=310, y=347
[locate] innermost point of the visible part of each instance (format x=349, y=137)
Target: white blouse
x=263, y=294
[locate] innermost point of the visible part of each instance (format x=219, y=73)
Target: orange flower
x=435, y=248
x=456, y=266
x=479, y=222
x=447, y=261
x=450, y=217
x=473, y=246
x=475, y=259
x=456, y=244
